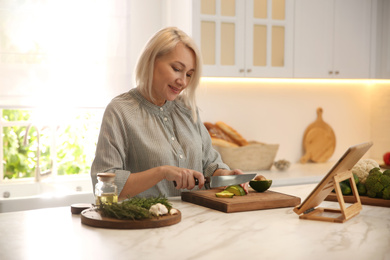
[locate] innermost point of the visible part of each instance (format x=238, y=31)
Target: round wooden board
x=319, y=145
x=91, y=217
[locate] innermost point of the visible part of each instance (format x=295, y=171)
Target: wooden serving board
x=319, y=141
x=363, y=199
x=252, y=201
x=91, y=217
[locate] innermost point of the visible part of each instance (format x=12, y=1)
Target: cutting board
x=91, y=217
x=319, y=140
x=252, y=201
x=363, y=199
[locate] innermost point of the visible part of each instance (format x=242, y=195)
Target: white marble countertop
x=203, y=233
x=297, y=174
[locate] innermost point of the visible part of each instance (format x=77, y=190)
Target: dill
x=133, y=208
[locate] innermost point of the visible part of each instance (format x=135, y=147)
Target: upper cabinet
x=251, y=38
x=382, y=53
x=332, y=38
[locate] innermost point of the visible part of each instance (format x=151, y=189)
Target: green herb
x=133, y=208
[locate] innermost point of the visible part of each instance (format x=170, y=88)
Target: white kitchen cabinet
x=332, y=38
x=382, y=51
x=250, y=38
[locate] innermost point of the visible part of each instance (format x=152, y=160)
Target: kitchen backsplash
x=278, y=111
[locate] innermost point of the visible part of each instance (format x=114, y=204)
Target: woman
x=151, y=136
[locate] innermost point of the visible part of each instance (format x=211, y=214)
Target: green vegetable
x=133, y=208
x=386, y=193
x=361, y=189
x=356, y=178
x=345, y=188
x=386, y=190
x=378, y=184
x=345, y=185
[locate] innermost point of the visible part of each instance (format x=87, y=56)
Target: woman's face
x=172, y=73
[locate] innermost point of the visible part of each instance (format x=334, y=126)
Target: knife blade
x=226, y=180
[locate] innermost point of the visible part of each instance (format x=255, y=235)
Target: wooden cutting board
x=319, y=140
x=252, y=201
x=91, y=217
x=363, y=199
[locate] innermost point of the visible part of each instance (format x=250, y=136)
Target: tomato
x=386, y=158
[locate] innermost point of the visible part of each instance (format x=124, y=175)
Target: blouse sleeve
x=211, y=158
x=110, y=153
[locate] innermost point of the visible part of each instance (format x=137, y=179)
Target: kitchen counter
x=203, y=233
x=297, y=173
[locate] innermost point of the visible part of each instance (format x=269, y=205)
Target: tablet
x=325, y=187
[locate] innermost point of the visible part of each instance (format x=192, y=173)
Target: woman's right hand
x=184, y=178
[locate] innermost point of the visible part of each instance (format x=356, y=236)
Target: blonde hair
x=163, y=42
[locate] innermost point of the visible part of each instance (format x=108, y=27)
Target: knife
x=226, y=180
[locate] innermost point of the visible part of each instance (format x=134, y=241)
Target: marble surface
x=297, y=173
x=203, y=233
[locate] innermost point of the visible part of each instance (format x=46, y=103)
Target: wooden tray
x=252, y=201
x=363, y=199
x=91, y=217
x=384, y=166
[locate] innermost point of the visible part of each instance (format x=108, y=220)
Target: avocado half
x=261, y=185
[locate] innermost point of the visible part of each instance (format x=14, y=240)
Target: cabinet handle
x=242, y=70
x=330, y=72
x=336, y=72
x=249, y=70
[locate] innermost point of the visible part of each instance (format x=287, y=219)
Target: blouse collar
x=150, y=106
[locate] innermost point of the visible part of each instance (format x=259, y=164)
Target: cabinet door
x=313, y=38
x=218, y=28
x=382, y=62
x=269, y=38
x=352, y=38
x=251, y=38
x=332, y=38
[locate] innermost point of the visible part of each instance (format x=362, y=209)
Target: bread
x=232, y=133
x=223, y=143
x=216, y=132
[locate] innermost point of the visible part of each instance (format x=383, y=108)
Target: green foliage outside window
x=16, y=161
x=75, y=145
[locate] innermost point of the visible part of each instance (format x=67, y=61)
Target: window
x=63, y=52
x=64, y=146
x=61, y=62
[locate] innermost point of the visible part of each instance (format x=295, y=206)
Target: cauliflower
x=378, y=184
x=363, y=167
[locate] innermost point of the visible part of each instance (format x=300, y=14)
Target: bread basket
x=253, y=157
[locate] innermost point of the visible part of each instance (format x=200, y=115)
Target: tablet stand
x=345, y=213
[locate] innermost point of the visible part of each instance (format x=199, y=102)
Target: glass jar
x=106, y=192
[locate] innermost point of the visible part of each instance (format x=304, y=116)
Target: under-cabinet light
x=293, y=80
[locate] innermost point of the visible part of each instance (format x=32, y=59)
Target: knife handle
x=196, y=182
